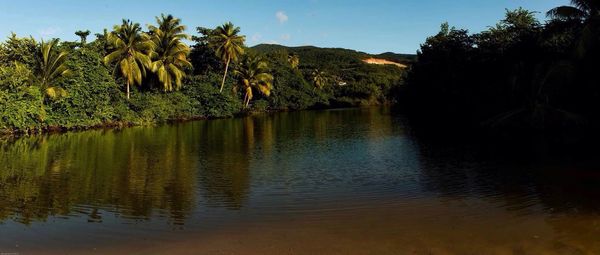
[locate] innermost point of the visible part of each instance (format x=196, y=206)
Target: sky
x=372, y=26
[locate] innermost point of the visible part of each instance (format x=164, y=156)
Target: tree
x=51, y=67
x=294, y=61
x=83, y=35
x=319, y=78
x=580, y=10
x=253, y=73
x=15, y=49
x=203, y=56
x=170, y=58
x=588, y=12
x=131, y=52
x=228, y=45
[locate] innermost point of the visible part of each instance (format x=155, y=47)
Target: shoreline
x=115, y=125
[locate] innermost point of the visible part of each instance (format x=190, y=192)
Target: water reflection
x=141, y=172
x=339, y=171
x=130, y=172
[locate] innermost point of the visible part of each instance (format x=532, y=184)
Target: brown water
x=353, y=181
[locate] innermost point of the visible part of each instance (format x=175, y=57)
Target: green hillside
x=349, y=80
x=331, y=58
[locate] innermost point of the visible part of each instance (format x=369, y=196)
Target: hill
x=350, y=77
x=333, y=58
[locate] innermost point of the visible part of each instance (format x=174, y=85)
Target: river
x=350, y=181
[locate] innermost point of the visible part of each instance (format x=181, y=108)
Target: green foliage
x=94, y=97
x=203, y=56
x=50, y=69
x=20, y=50
x=227, y=44
x=290, y=90
x=329, y=77
x=131, y=52
x=207, y=99
x=22, y=105
x=253, y=74
x=94, y=72
x=83, y=35
x=170, y=53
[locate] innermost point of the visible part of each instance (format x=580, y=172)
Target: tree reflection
x=131, y=172
x=225, y=150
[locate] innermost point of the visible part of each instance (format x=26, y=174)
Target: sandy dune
x=378, y=61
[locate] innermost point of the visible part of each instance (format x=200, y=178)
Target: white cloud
x=281, y=17
x=285, y=37
x=49, y=32
x=256, y=37
x=271, y=42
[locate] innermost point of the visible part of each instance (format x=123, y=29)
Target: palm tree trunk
x=128, y=90
x=225, y=75
x=247, y=99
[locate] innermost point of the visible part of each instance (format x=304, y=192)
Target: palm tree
x=319, y=78
x=253, y=73
x=131, y=50
x=228, y=45
x=580, y=10
x=83, y=35
x=51, y=67
x=586, y=11
x=294, y=61
x=170, y=58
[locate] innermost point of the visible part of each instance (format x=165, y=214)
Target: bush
x=207, y=100
x=22, y=106
x=93, y=95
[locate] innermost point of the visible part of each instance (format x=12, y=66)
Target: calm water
x=353, y=181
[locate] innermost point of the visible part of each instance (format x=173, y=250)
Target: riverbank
x=4, y=133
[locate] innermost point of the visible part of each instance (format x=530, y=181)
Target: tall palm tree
x=83, y=35
x=253, y=73
x=294, y=61
x=586, y=12
x=228, y=45
x=131, y=50
x=51, y=67
x=319, y=78
x=170, y=58
x=579, y=10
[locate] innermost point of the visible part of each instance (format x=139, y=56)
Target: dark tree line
x=517, y=75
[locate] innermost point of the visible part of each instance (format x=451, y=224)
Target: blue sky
x=372, y=26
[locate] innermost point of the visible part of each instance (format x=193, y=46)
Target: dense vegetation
x=518, y=75
x=132, y=76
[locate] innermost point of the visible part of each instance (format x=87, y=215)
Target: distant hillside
x=333, y=58
x=350, y=77
x=398, y=58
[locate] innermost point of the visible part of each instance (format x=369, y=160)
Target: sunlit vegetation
x=228, y=45
x=253, y=74
x=131, y=53
x=518, y=73
x=319, y=78
x=170, y=58
x=51, y=67
x=129, y=75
